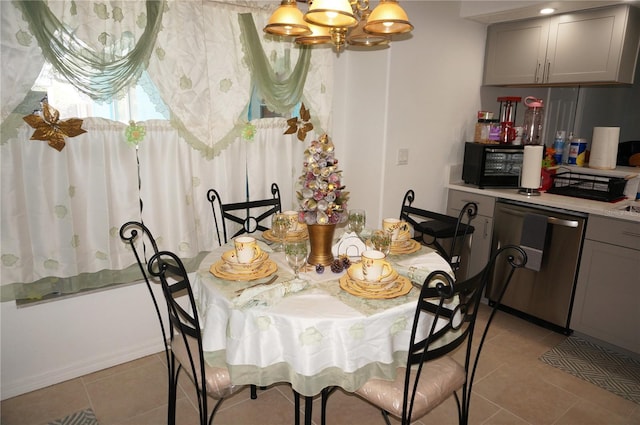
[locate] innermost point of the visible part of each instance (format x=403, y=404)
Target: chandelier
x=340, y=22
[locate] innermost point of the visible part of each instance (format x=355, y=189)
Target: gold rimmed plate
x=222, y=270
x=410, y=247
x=231, y=260
x=400, y=286
x=355, y=273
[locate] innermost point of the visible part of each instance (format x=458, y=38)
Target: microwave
x=492, y=165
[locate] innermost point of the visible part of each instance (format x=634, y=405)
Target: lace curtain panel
x=61, y=210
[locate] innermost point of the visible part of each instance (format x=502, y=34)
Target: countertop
x=612, y=210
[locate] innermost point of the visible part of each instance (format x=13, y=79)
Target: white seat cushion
x=440, y=378
x=218, y=380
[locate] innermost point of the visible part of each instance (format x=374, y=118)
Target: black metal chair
x=433, y=229
x=138, y=236
x=186, y=340
x=432, y=375
x=243, y=213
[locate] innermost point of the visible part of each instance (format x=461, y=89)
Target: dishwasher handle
x=550, y=219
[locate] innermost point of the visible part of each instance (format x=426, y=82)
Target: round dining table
x=313, y=334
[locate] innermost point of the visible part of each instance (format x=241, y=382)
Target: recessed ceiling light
x=547, y=11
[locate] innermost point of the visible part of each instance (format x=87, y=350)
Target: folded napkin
x=267, y=295
x=349, y=244
x=418, y=267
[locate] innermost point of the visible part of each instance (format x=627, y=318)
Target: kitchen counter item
x=492, y=165
x=533, y=117
x=588, y=186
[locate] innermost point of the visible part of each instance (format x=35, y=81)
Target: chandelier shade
x=358, y=37
x=340, y=22
x=319, y=35
x=287, y=20
x=388, y=18
x=331, y=13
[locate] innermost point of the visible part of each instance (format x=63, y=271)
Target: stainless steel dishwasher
x=543, y=296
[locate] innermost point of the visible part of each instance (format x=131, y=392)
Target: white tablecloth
x=315, y=338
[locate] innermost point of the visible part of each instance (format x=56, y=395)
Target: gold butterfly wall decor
x=50, y=128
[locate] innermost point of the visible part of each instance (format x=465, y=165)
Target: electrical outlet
x=403, y=157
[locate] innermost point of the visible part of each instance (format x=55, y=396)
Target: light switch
x=403, y=156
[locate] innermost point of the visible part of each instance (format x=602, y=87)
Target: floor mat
x=83, y=417
x=614, y=372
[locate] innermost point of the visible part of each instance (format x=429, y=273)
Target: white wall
x=52, y=342
x=421, y=94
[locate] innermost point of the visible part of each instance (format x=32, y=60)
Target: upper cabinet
x=598, y=46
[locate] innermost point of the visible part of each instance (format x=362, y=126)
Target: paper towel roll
x=604, y=148
x=531, y=167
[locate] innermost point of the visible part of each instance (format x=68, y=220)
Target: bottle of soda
x=559, y=146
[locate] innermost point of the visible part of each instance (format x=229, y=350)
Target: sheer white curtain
x=61, y=211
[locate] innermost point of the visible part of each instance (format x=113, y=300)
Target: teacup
x=396, y=227
x=247, y=249
x=292, y=216
x=374, y=266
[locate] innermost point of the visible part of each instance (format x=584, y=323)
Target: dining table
x=314, y=332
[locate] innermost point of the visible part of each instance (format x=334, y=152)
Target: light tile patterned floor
x=512, y=387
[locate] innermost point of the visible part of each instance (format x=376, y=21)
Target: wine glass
x=280, y=225
x=357, y=221
x=381, y=241
x=296, y=253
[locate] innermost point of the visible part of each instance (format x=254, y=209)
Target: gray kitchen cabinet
x=483, y=227
x=607, y=299
x=593, y=46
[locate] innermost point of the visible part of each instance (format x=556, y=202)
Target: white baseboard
x=79, y=368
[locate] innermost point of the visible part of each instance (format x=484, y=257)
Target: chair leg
x=254, y=392
x=174, y=373
x=215, y=409
x=308, y=406
x=296, y=407
x=326, y=392
x=385, y=415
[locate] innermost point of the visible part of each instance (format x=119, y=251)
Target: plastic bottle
x=559, y=146
x=567, y=148
x=533, y=121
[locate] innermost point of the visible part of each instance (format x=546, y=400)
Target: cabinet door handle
x=547, y=72
x=633, y=234
x=486, y=228
x=535, y=76
x=550, y=219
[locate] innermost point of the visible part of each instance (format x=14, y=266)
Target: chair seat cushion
x=442, y=229
x=439, y=380
x=218, y=380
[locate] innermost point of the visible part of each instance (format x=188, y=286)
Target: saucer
x=231, y=259
x=409, y=247
x=400, y=286
x=355, y=274
x=225, y=271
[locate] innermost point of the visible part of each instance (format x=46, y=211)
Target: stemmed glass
x=280, y=225
x=381, y=241
x=296, y=253
x=357, y=221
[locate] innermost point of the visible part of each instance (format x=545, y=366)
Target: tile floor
x=512, y=387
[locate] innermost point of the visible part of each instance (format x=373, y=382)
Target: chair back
x=249, y=214
x=139, y=237
x=447, y=226
x=453, y=327
x=175, y=284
